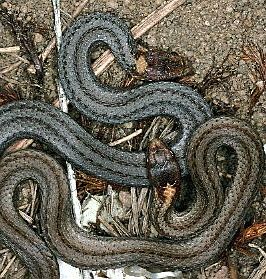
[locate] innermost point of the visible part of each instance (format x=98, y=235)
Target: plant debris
x=252, y=232
x=8, y=94
x=162, y=65
x=255, y=58
x=218, y=75
x=24, y=37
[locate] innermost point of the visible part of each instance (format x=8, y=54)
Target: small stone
x=225, y=99
x=229, y=9
x=159, y=2
x=5, y=5
x=236, y=22
x=151, y=40
x=112, y=4
x=38, y=38
x=24, y=9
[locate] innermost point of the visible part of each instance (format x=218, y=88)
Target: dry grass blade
x=9, y=49
x=255, y=56
x=24, y=38
x=260, y=271
x=43, y=56
x=129, y=137
x=3, y=273
x=9, y=80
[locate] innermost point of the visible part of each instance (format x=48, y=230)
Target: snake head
x=163, y=171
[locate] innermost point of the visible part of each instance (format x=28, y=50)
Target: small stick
x=33, y=198
x=129, y=137
x=4, y=251
x=3, y=273
x=260, y=271
x=106, y=59
x=135, y=211
x=108, y=226
x=9, y=80
x=9, y=49
x=51, y=44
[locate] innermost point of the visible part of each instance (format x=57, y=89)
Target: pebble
x=38, y=38
x=112, y=4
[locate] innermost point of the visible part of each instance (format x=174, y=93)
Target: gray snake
x=40, y=121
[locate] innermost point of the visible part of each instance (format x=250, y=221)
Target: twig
x=51, y=44
x=260, y=271
x=129, y=137
x=2, y=251
x=11, y=67
x=33, y=189
x=108, y=226
x=3, y=273
x=10, y=80
x=25, y=40
x=26, y=217
x=9, y=49
x=24, y=60
x=135, y=211
x=106, y=59
x=63, y=106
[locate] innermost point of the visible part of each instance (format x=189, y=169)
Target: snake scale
x=224, y=211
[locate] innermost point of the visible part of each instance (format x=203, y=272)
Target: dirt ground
x=211, y=34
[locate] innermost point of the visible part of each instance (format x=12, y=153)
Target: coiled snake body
x=26, y=119
x=209, y=236
x=84, y=250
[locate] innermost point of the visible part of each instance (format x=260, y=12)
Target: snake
x=164, y=173
x=63, y=135
x=83, y=249
x=210, y=196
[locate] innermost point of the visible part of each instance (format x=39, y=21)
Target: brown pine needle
x=129, y=137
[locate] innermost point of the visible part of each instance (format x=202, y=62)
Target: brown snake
x=210, y=196
x=217, y=218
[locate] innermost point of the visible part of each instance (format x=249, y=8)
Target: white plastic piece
x=68, y=271
x=90, y=210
